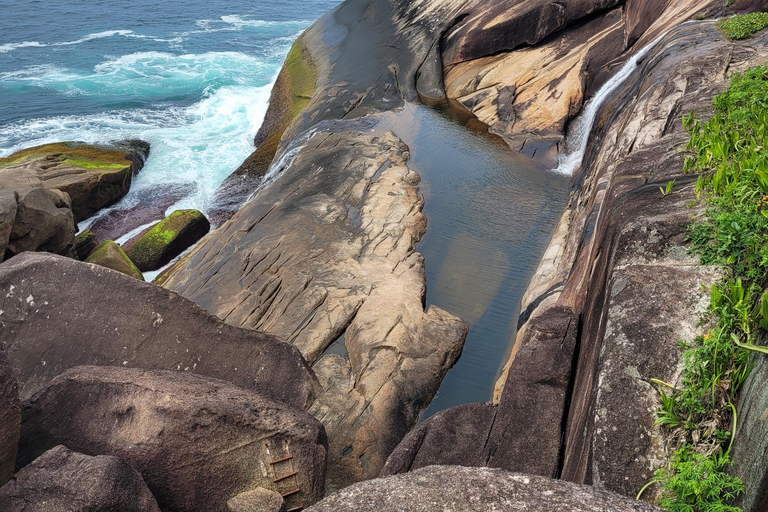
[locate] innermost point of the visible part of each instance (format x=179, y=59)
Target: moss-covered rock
x=109, y=254
x=85, y=244
x=167, y=239
x=93, y=176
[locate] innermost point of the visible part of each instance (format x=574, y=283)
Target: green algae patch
x=77, y=154
x=108, y=254
x=168, y=238
x=302, y=78
x=85, y=244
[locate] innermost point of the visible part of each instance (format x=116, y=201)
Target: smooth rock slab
x=461, y=489
x=198, y=442
x=58, y=313
x=61, y=480
x=10, y=419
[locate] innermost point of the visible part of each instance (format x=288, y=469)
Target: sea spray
x=580, y=130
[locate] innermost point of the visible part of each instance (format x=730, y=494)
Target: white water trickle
x=582, y=127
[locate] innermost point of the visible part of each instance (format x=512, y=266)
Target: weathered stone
x=523, y=433
x=33, y=217
x=61, y=480
x=92, y=176
x=167, y=239
x=85, y=243
x=59, y=313
x=10, y=419
x=326, y=250
x=461, y=489
x=198, y=442
x=258, y=500
x=108, y=254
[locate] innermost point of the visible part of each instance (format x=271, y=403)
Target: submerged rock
x=108, y=254
x=167, y=239
x=61, y=480
x=93, y=176
x=461, y=489
x=59, y=313
x=10, y=419
x=198, y=442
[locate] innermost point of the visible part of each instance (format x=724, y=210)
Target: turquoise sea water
x=192, y=78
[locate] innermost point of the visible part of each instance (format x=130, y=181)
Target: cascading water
x=582, y=127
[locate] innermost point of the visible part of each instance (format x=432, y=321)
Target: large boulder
x=198, y=442
x=461, y=489
x=93, y=176
x=59, y=313
x=108, y=254
x=257, y=500
x=61, y=480
x=85, y=243
x=10, y=419
x=32, y=217
x=159, y=244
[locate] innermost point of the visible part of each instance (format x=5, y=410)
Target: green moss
x=82, y=155
x=149, y=249
x=110, y=255
x=744, y=25
x=302, y=78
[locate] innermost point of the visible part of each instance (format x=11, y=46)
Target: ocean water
x=191, y=77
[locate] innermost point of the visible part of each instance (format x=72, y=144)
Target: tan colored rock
x=258, y=500
x=326, y=250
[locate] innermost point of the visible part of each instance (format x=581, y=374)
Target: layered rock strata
x=197, y=442
x=58, y=313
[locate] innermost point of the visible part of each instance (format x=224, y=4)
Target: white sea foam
x=5, y=48
x=578, y=136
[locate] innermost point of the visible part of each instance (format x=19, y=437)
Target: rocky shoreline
x=289, y=354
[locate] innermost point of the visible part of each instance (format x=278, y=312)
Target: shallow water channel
x=491, y=213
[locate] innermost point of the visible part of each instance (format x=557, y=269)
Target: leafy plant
x=743, y=26
x=665, y=191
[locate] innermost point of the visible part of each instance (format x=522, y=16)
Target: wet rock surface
x=61, y=480
x=53, y=304
x=326, y=250
x=197, y=442
x=463, y=489
x=10, y=419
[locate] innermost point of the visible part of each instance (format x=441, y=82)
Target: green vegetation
x=154, y=247
x=81, y=155
x=700, y=417
x=301, y=78
x=108, y=254
x=743, y=26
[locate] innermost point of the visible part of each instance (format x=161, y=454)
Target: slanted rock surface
x=462, y=489
x=108, y=254
x=167, y=239
x=328, y=250
x=10, y=419
x=84, y=245
x=198, y=442
x=59, y=313
x=61, y=480
x=92, y=176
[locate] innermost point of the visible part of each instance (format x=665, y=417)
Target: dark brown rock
x=461, y=489
x=523, y=433
x=61, y=480
x=53, y=304
x=197, y=442
x=109, y=255
x=158, y=245
x=10, y=419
